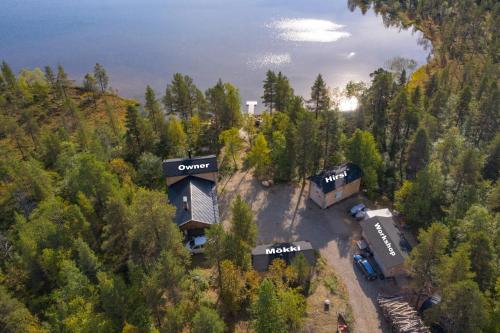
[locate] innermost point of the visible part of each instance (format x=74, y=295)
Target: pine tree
x=320, y=99
x=462, y=110
x=50, y=76
x=182, y=97
x=269, y=96
x=418, y=153
x=266, y=310
x=153, y=110
x=133, y=142
x=421, y=201
x=207, y=320
x=243, y=235
x=330, y=136
x=62, y=83
x=284, y=92
x=101, y=77
x=379, y=95
x=426, y=257
x=307, y=146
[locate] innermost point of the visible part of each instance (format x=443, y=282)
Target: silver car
x=196, y=244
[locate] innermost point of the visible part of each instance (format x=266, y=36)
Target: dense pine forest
x=87, y=242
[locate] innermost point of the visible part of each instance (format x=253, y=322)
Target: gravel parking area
x=281, y=216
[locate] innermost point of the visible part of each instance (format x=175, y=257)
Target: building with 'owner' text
x=192, y=190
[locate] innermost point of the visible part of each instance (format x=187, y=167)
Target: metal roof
x=201, y=197
x=352, y=170
x=384, y=240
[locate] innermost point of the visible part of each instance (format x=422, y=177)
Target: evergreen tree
x=153, y=111
x=421, y=201
x=482, y=258
x=330, y=136
x=243, y=234
x=207, y=320
x=463, y=107
x=63, y=84
x=307, y=146
x=101, y=77
x=215, y=249
x=320, y=99
x=133, y=142
x=284, y=92
x=182, y=97
x=269, y=96
x=379, y=95
x=418, y=153
x=426, y=258
x=50, y=76
x=463, y=308
x=266, y=310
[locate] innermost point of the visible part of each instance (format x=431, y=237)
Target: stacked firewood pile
x=403, y=318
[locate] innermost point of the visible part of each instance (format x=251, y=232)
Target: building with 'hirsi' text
x=333, y=185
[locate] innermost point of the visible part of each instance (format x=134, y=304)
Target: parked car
x=363, y=247
x=365, y=267
x=361, y=214
x=196, y=244
x=356, y=209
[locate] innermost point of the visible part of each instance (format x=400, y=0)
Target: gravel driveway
x=281, y=217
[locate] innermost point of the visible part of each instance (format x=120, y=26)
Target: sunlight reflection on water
x=269, y=60
x=308, y=30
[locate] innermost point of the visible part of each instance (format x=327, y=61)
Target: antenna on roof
x=189, y=153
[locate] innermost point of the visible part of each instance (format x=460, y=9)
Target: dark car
x=356, y=209
x=365, y=267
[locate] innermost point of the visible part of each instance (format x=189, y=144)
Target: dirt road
x=282, y=217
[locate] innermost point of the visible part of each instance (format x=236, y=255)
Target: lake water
x=144, y=42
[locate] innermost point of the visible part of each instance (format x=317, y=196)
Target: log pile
x=403, y=318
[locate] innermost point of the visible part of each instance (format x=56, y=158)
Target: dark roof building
x=337, y=177
x=192, y=189
x=263, y=255
x=386, y=243
x=333, y=185
x=195, y=200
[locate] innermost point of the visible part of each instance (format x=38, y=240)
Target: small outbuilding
x=192, y=190
x=386, y=242
x=263, y=255
x=333, y=185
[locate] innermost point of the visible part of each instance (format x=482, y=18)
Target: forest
x=87, y=242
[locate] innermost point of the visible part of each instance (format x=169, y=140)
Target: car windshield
x=191, y=243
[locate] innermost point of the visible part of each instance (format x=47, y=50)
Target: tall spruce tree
x=418, y=153
x=269, y=96
x=320, y=99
